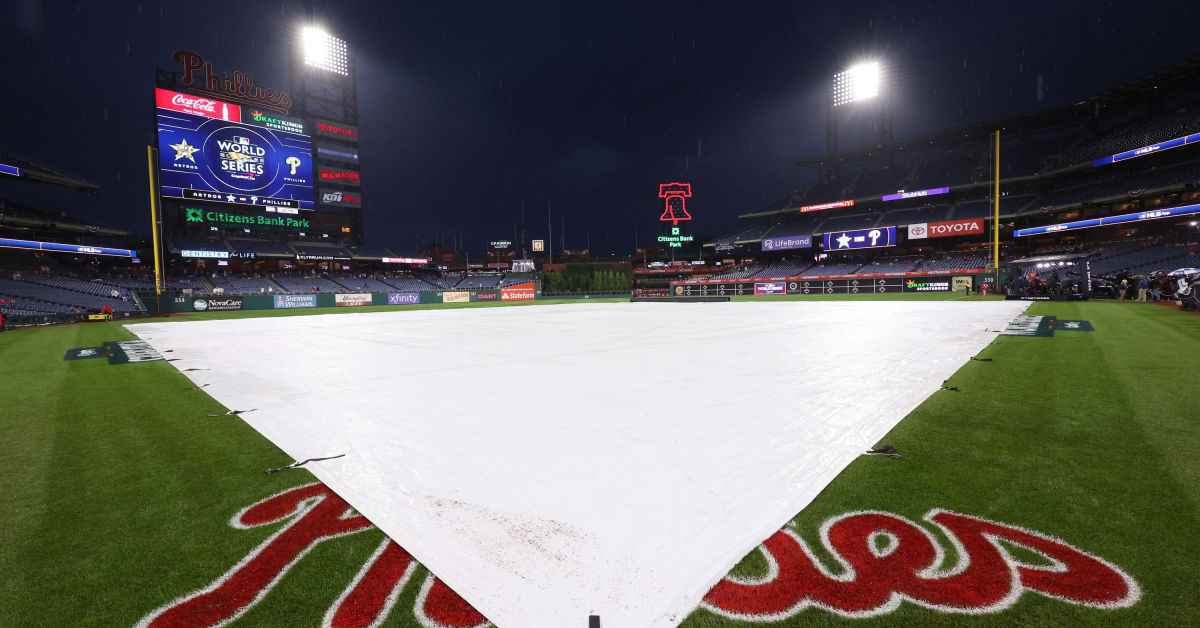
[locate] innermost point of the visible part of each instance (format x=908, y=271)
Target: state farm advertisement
x=351, y=300
x=970, y=226
x=518, y=292
x=197, y=105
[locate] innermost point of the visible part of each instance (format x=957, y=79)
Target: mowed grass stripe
x=122, y=489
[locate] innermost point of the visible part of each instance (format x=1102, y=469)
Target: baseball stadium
x=946, y=377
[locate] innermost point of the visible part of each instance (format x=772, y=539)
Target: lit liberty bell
x=675, y=205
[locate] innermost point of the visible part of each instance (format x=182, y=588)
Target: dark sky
x=470, y=108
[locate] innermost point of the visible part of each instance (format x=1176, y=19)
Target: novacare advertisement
x=351, y=300
x=456, y=297
x=217, y=304
x=288, y=301
x=518, y=292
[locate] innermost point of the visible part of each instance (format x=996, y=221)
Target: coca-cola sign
x=236, y=85
x=197, y=105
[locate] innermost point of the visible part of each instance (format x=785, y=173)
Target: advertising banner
x=336, y=153
x=518, y=292
x=274, y=121
x=962, y=282
x=289, y=301
x=456, y=297
x=487, y=295
x=970, y=226
x=915, y=194
x=927, y=284
x=860, y=239
x=770, y=287
x=197, y=105
x=404, y=298
x=787, y=242
x=337, y=130
x=341, y=176
x=340, y=198
x=217, y=304
x=351, y=300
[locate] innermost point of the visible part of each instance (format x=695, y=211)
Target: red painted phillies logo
x=884, y=559
x=881, y=560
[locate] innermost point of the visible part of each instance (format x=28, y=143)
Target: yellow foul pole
x=158, y=277
x=996, y=204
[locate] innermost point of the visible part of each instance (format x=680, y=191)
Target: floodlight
x=860, y=82
x=322, y=50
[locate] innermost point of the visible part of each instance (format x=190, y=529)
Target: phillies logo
x=313, y=515
x=882, y=560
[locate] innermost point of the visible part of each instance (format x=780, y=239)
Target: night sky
x=469, y=109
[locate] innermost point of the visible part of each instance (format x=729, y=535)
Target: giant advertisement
x=787, y=242
x=518, y=292
x=340, y=198
x=290, y=301
x=207, y=150
x=1154, y=214
x=860, y=239
x=404, y=298
x=351, y=300
x=217, y=304
x=970, y=226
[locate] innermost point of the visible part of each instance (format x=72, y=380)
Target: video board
x=872, y=238
x=216, y=151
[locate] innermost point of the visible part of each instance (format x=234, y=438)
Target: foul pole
x=154, y=222
x=996, y=207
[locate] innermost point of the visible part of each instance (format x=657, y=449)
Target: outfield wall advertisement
x=351, y=300
x=851, y=285
x=518, y=292
x=289, y=301
x=456, y=297
x=217, y=304
x=403, y=298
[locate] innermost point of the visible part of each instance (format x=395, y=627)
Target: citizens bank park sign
x=971, y=226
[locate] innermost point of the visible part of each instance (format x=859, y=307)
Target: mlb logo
x=242, y=140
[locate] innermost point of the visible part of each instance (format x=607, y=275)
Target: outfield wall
x=178, y=302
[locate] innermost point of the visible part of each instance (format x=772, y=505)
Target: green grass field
x=122, y=489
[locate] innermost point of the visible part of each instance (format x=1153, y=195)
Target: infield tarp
x=551, y=463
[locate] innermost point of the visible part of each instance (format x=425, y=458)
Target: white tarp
x=645, y=450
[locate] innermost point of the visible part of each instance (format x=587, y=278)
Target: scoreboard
x=864, y=285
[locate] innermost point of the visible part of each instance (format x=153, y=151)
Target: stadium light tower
x=324, y=51
x=860, y=83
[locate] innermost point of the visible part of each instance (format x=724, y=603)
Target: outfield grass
x=121, y=488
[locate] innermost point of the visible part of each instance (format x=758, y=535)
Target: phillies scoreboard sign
x=800, y=286
x=217, y=151
x=873, y=238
